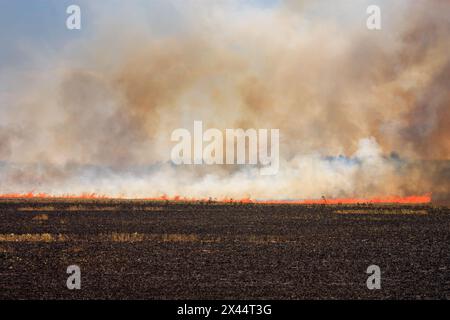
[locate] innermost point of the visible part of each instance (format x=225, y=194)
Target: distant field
x=169, y=250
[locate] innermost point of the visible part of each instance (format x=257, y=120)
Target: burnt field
x=162, y=250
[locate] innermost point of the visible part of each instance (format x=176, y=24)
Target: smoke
x=361, y=113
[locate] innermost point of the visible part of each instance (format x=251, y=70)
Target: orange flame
x=32, y=195
x=393, y=199
x=94, y=196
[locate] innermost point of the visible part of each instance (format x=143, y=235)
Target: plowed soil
x=166, y=250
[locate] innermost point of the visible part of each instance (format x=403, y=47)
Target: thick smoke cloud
x=361, y=113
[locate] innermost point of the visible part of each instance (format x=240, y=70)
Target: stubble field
x=168, y=250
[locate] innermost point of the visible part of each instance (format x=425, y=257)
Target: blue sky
x=33, y=32
x=30, y=28
x=37, y=27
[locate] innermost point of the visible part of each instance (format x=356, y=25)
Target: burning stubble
x=362, y=113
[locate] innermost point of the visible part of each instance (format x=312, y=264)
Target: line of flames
x=423, y=199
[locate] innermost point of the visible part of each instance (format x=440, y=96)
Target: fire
x=423, y=199
x=32, y=195
x=393, y=199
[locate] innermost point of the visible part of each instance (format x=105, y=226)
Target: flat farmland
x=169, y=250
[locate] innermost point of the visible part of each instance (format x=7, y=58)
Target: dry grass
x=124, y=237
x=36, y=209
x=111, y=237
x=40, y=237
x=69, y=208
x=88, y=208
x=149, y=209
x=383, y=211
x=75, y=249
x=40, y=217
x=137, y=237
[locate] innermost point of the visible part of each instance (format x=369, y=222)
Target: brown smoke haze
x=361, y=113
